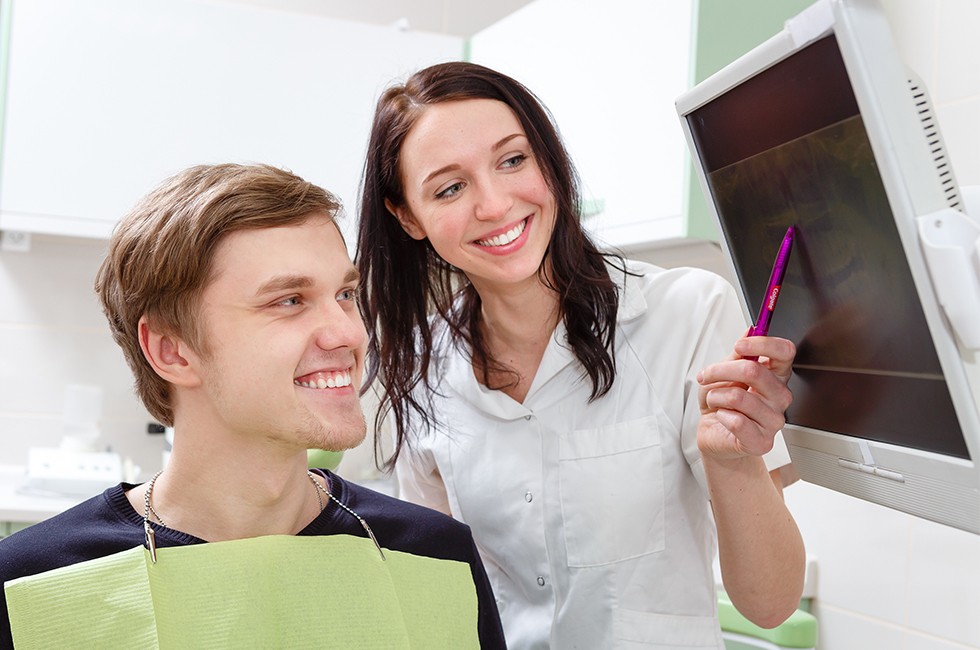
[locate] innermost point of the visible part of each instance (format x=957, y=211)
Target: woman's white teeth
x=336, y=380
x=506, y=238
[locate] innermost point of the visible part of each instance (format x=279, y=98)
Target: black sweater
x=107, y=524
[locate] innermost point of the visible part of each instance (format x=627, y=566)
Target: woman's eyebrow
x=454, y=166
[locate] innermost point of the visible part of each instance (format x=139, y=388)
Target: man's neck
x=234, y=495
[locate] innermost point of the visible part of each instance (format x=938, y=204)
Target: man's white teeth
x=336, y=380
x=506, y=238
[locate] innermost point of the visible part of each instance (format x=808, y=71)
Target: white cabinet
x=609, y=72
x=105, y=98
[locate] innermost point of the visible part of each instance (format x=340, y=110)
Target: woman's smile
x=506, y=240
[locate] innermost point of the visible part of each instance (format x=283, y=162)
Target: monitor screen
x=822, y=128
x=789, y=147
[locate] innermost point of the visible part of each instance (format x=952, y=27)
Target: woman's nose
x=493, y=201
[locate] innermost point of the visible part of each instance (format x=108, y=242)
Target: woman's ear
x=168, y=355
x=407, y=221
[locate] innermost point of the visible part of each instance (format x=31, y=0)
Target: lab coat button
x=528, y=496
x=540, y=581
x=527, y=417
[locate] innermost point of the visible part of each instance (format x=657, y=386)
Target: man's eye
x=291, y=301
x=347, y=294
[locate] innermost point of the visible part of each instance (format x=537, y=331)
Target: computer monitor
x=821, y=128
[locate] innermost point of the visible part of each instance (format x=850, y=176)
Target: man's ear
x=169, y=356
x=407, y=221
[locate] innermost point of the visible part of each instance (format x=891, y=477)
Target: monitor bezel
x=926, y=484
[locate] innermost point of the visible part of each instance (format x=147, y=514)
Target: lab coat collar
x=632, y=303
x=462, y=382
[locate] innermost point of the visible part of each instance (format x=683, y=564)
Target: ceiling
x=454, y=17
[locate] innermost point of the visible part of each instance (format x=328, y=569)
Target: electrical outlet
x=15, y=241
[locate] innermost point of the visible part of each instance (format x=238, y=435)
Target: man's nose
x=340, y=328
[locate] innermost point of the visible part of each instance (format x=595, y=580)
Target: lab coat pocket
x=612, y=492
x=634, y=630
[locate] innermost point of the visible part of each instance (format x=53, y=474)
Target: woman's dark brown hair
x=408, y=290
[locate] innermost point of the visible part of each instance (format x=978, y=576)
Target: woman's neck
x=516, y=329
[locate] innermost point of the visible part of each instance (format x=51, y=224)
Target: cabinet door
x=105, y=98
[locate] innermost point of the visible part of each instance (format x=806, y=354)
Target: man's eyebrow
x=291, y=282
x=283, y=283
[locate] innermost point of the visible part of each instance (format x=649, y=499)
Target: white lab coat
x=593, y=518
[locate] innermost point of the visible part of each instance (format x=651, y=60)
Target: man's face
x=286, y=340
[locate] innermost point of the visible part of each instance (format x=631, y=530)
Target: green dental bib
x=268, y=592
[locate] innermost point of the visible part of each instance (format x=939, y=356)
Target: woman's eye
x=514, y=161
x=450, y=191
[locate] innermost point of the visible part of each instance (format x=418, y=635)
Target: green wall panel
x=5, y=12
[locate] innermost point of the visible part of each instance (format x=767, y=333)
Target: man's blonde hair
x=161, y=254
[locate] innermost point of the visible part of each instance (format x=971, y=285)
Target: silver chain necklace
x=317, y=488
x=364, y=525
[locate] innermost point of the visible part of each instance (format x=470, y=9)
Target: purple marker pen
x=761, y=327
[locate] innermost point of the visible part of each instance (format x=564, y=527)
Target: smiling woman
x=486, y=207
x=575, y=409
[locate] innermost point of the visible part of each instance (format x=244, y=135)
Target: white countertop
x=20, y=507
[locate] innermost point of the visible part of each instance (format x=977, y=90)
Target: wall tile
x=944, y=582
x=957, y=55
x=53, y=333
x=914, y=26
x=51, y=285
x=915, y=641
x=20, y=432
x=125, y=436
x=36, y=363
x=862, y=551
x=839, y=629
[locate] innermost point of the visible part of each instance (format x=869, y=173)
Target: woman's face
x=473, y=187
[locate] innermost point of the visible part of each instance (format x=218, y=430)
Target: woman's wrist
x=736, y=468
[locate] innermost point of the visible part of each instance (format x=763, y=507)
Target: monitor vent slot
x=934, y=139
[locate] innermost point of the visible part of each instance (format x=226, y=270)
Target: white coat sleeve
x=419, y=480
x=722, y=324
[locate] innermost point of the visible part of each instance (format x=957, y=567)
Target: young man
x=232, y=294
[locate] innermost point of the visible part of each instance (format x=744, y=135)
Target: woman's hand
x=742, y=401
x=760, y=549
